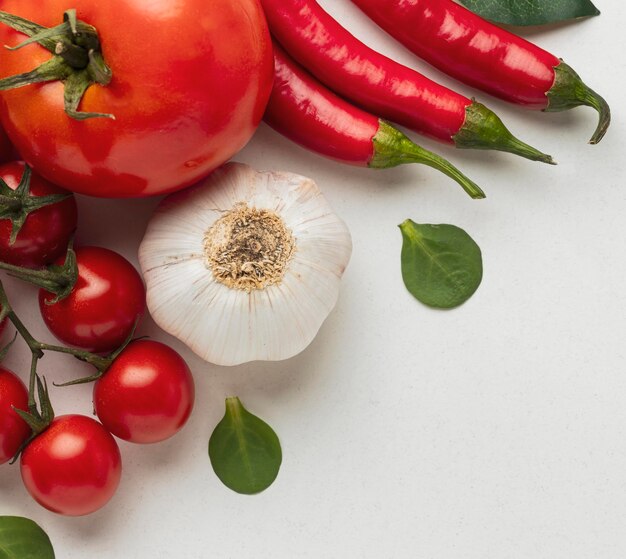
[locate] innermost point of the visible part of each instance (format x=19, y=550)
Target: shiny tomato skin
x=191, y=79
x=46, y=231
x=146, y=395
x=7, y=151
x=13, y=429
x=73, y=467
x=107, y=300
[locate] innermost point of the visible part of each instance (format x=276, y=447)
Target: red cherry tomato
x=146, y=395
x=7, y=151
x=46, y=231
x=190, y=83
x=73, y=467
x=13, y=429
x=107, y=300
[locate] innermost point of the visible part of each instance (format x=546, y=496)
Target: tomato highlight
x=147, y=393
x=73, y=467
x=188, y=85
x=104, y=305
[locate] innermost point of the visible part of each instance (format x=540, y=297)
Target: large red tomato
x=191, y=79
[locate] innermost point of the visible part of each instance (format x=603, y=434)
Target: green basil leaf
x=21, y=538
x=244, y=450
x=531, y=12
x=441, y=264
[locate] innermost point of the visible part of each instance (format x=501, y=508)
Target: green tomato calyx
x=18, y=204
x=77, y=59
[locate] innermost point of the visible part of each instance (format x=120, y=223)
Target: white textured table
x=496, y=430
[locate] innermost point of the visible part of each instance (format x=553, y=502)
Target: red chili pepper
x=304, y=111
x=483, y=55
x=383, y=86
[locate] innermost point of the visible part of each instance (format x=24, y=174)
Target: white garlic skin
x=229, y=326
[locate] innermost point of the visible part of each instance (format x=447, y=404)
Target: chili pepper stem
x=592, y=99
x=483, y=129
x=569, y=91
x=392, y=148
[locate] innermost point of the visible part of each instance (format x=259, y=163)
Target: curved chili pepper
x=304, y=111
x=483, y=55
x=383, y=86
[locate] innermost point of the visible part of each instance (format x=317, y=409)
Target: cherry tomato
x=191, y=79
x=73, y=467
x=7, y=151
x=13, y=429
x=107, y=300
x=146, y=395
x=46, y=231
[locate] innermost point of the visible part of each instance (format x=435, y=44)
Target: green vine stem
x=40, y=411
x=57, y=279
x=17, y=204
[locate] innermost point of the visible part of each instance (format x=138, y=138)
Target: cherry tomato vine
x=81, y=478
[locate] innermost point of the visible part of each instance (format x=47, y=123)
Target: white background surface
x=496, y=430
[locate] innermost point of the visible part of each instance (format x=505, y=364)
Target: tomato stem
x=57, y=279
x=100, y=362
x=77, y=59
x=51, y=70
x=40, y=412
x=17, y=204
x=5, y=350
x=38, y=417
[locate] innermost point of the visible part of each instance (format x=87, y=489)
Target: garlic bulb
x=245, y=265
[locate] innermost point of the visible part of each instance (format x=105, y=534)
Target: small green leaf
x=441, y=264
x=21, y=538
x=531, y=12
x=244, y=450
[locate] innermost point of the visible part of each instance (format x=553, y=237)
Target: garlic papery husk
x=245, y=265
